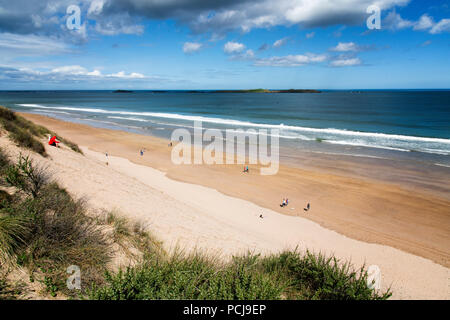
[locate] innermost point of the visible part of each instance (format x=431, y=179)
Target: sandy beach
x=357, y=219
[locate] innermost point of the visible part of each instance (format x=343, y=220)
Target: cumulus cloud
x=345, y=47
x=233, y=47
x=190, y=47
x=247, y=55
x=111, y=17
x=280, y=42
x=65, y=73
x=345, y=62
x=441, y=26
x=394, y=21
x=425, y=22
x=291, y=60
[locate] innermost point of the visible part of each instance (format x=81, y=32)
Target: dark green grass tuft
x=288, y=275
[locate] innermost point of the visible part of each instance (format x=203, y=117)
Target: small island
x=269, y=91
x=122, y=91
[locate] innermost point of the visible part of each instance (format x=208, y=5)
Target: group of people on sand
x=245, y=169
x=285, y=202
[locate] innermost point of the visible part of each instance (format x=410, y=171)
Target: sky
x=224, y=44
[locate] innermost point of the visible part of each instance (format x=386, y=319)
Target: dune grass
x=27, y=134
x=45, y=231
x=288, y=275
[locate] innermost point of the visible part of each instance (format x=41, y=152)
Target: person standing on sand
x=142, y=152
x=307, y=207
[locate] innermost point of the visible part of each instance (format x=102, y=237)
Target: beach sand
x=217, y=208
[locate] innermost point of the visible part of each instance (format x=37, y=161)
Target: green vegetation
x=288, y=275
x=27, y=134
x=10, y=291
x=45, y=231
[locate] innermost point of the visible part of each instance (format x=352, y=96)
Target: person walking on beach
x=142, y=152
x=287, y=201
x=307, y=207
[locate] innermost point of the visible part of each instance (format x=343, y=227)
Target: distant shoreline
x=230, y=91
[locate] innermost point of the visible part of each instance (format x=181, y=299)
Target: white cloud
x=441, y=26
x=115, y=27
x=310, y=35
x=96, y=7
x=247, y=55
x=65, y=73
x=346, y=62
x=190, y=47
x=112, y=17
x=394, y=21
x=31, y=45
x=280, y=42
x=425, y=22
x=291, y=60
x=345, y=47
x=233, y=47
x=123, y=75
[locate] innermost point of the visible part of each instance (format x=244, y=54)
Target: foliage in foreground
x=288, y=275
x=44, y=230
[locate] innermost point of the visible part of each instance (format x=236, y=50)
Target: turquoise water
x=370, y=123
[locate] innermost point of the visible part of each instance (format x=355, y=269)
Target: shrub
x=315, y=276
x=27, y=177
x=63, y=235
x=188, y=277
x=13, y=232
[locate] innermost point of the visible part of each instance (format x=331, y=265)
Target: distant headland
x=231, y=91
x=122, y=91
x=270, y=91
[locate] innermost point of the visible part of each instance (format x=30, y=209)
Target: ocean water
x=405, y=124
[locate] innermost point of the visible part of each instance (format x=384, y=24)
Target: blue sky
x=202, y=44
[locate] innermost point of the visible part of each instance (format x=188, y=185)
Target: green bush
x=27, y=177
x=189, y=277
x=288, y=275
x=13, y=232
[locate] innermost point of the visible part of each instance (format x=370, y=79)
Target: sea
x=400, y=124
